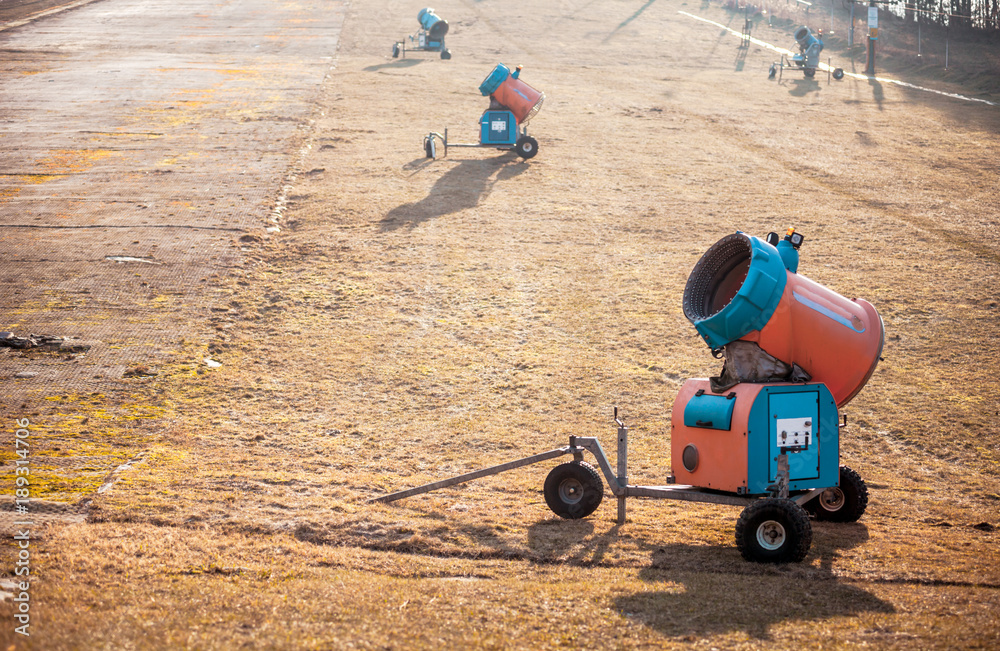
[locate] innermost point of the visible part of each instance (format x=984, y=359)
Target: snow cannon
x=504, y=124
x=430, y=37
x=765, y=434
x=795, y=352
x=807, y=60
x=507, y=90
x=435, y=26
x=809, y=48
x=747, y=290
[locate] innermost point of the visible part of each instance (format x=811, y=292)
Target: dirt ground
x=416, y=319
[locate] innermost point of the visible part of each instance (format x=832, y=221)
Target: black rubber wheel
x=773, y=70
x=809, y=72
x=395, y=50
x=838, y=73
x=844, y=503
x=774, y=531
x=573, y=490
x=526, y=147
x=445, y=54
x=429, y=148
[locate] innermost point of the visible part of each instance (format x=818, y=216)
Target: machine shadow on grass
x=802, y=87
x=706, y=605
x=461, y=187
x=397, y=63
x=713, y=591
x=550, y=538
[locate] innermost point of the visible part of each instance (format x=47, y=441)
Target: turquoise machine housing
x=731, y=441
x=434, y=29
x=498, y=128
x=799, y=418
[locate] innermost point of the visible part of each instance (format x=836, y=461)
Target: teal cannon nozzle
x=734, y=289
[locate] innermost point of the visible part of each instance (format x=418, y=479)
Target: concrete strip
x=139, y=141
x=20, y=22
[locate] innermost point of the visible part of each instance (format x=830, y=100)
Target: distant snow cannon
x=504, y=124
x=807, y=60
x=435, y=26
x=507, y=90
x=430, y=37
x=809, y=48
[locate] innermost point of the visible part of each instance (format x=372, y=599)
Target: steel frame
x=521, y=130
x=617, y=482
x=785, y=63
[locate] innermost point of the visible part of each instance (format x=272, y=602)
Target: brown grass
x=419, y=319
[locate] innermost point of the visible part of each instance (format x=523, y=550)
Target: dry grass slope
x=417, y=319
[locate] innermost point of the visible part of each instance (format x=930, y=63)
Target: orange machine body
x=836, y=340
x=722, y=453
x=744, y=288
x=522, y=100
x=730, y=441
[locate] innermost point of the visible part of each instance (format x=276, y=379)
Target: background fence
x=957, y=42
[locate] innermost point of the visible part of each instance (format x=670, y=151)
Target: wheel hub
x=832, y=499
x=771, y=535
x=571, y=491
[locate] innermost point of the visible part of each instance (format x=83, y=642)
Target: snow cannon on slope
x=809, y=48
x=506, y=89
x=504, y=124
x=794, y=353
x=765, y=434
x=435, y=26
x=430, y=37
x=807, y=60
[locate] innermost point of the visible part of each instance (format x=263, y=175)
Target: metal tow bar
x=616, y=482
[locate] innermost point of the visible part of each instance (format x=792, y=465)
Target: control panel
x=793, y=434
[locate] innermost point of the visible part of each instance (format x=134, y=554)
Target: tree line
x=977, y=15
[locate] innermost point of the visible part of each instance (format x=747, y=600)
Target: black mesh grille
x=717, y=277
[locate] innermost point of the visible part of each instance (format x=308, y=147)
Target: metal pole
x=469, y=476
x=918, y=36
x=870, y=68
x=850, y=33
x=622, y=468
x=947, y=35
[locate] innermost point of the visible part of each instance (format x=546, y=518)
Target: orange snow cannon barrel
x=745, y=288
x=504, y=86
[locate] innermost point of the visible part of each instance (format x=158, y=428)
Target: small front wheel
x=838, y=73
x=395, y=50
x=573, y=490
x=430, y=149
x=526, y=147
x=445, y=54
x=844, y=503
x=774, y=531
